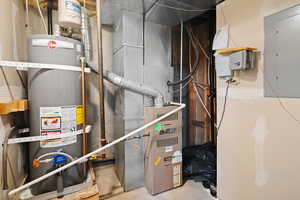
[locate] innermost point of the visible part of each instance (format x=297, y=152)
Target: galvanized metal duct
x=135, y=87
x=167, y=12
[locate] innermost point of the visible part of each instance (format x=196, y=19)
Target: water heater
x=55, y=107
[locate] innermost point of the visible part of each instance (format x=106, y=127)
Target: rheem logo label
x=52, y=44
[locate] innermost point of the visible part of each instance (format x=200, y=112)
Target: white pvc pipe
x=84, y=158
x=135, y=87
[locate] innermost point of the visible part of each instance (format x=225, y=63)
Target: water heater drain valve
x=59, y=159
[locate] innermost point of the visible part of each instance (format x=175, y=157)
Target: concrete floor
x=110, y=188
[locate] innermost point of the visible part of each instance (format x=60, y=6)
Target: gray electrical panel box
x=281, y=56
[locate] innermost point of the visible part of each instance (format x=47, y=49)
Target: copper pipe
x=83, y=99
x=100, y=70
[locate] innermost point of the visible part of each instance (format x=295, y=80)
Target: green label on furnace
x=158, y=127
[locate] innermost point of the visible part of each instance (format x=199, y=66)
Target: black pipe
x=213, y=100
x=98, y=163
x=49, y=15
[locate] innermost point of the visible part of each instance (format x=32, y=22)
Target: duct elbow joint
x=159, y=100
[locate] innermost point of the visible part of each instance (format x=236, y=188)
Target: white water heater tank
x=69, y=13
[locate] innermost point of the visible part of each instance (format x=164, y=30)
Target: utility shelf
x=13, y=106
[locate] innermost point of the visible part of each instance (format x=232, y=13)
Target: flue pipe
x=135, y=87
x=84, y=158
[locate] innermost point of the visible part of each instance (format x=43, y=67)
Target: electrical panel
x=281, y=54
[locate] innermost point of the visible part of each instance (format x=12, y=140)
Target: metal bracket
x=23, y=66
x=47, y=137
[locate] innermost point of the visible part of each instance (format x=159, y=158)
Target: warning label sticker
x=50, y=123
x=59, y=120
x=79, y=115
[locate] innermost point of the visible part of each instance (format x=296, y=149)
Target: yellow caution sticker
x=157, y=161
x=79, y=115
x=93, y=157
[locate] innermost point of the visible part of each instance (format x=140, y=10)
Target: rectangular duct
x=127, y=62
x=141, y=53
x=167, y=12
x=128, y=57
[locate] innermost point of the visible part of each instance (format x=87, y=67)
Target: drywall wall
x=258, y=143
x=12, y=47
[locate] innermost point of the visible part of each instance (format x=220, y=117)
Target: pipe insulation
x=84, y=158
x=135, y=87
x=86, y=35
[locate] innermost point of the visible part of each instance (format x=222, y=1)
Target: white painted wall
x=258, y=143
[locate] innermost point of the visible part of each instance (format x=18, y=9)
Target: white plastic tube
x=81, y=159
x=54, y=154
x=41, y=14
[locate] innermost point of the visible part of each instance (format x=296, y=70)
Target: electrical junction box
x=241, y=60
x=227, y=63
x=163, y=150
x=223, y=66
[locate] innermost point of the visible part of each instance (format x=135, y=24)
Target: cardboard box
x=163, y=150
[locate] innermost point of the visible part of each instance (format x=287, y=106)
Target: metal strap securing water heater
x=23, y=66
x=47, y=137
